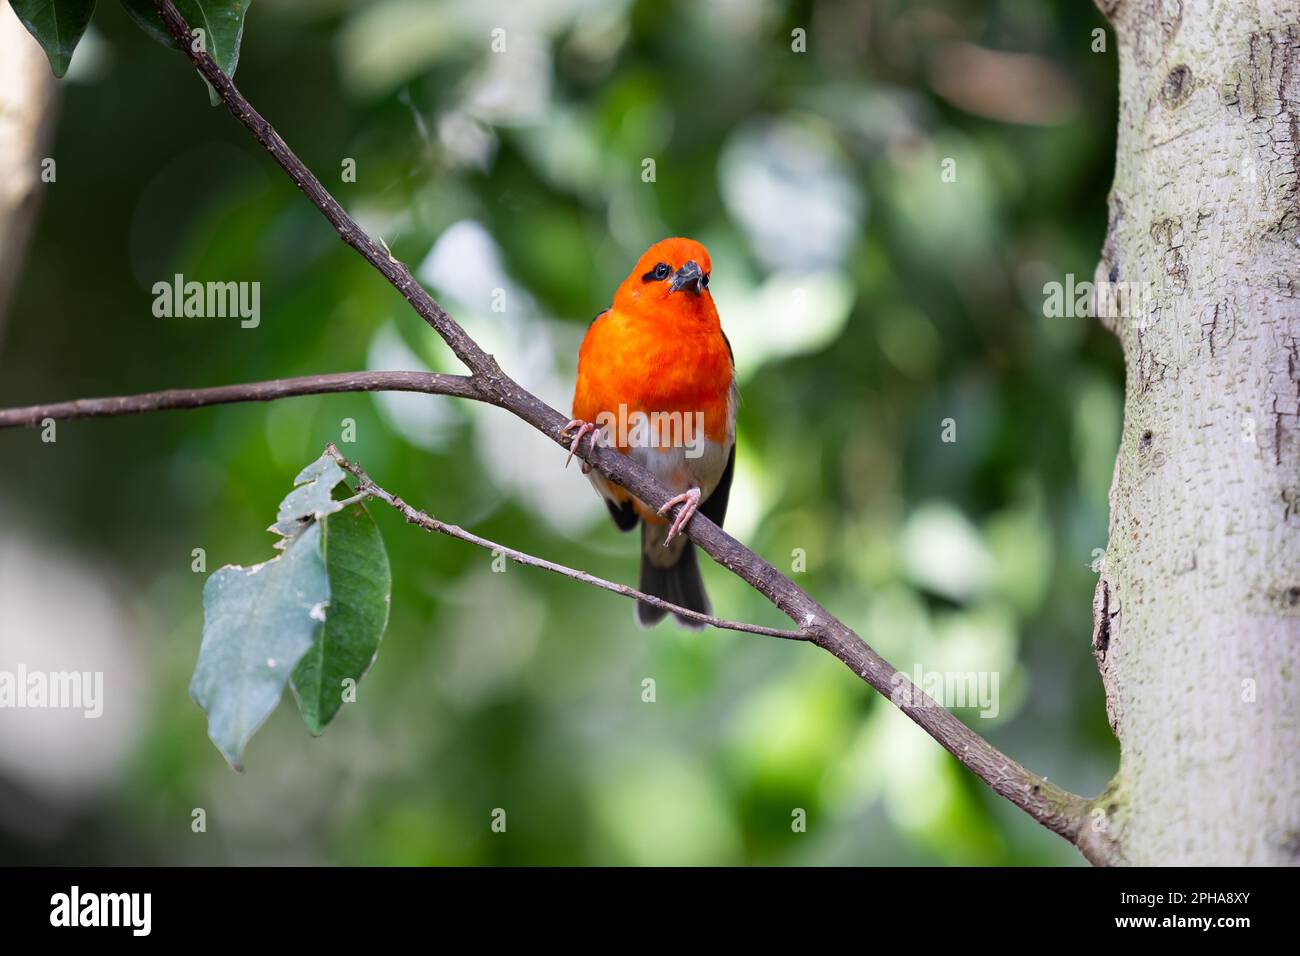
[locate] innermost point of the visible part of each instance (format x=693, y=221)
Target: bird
x=657, y=382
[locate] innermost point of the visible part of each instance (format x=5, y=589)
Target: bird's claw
x=690, y=503
x=583, y=429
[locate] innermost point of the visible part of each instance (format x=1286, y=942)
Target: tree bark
x=1197, y=610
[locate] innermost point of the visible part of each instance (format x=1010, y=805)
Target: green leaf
x=360, y=592
x=222, y=23
x=311, y=500
x=57, y=26
x=258, y=622
x=327, y=594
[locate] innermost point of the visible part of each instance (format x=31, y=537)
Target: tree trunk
x=27, y=91
x=1197, y=611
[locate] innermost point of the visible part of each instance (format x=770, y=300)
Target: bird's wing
x=623, y=513
x=715, y=506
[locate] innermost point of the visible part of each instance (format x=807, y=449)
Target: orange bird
x=657, y=381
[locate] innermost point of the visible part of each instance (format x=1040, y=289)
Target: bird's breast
x=679, y=370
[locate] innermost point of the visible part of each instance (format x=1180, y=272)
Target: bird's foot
x=584, y=428
x=690, y=503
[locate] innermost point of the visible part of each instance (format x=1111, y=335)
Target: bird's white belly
x=677, y=468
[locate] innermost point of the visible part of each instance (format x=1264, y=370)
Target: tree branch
x=431, y=383
x=367, y=488
x=1058, y=810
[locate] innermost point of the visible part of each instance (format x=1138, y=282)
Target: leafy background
x=866, y=299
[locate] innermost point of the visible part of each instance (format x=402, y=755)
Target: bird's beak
x=689, y=277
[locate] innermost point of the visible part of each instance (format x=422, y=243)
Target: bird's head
x=672, y=275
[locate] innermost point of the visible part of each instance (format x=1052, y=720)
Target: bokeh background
x=867, y=300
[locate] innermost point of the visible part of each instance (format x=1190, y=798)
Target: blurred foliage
x=867, y=299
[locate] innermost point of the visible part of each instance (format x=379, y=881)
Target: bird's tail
x=671, y=573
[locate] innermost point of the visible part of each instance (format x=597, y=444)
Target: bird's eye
x=661, y=271
x=704, y=283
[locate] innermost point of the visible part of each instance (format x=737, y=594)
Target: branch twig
x=366, y=487
x=1058, y=810
x=460, y=386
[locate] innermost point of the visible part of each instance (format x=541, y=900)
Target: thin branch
x=366, y=487
x=1058, y=810
x=430, y=383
